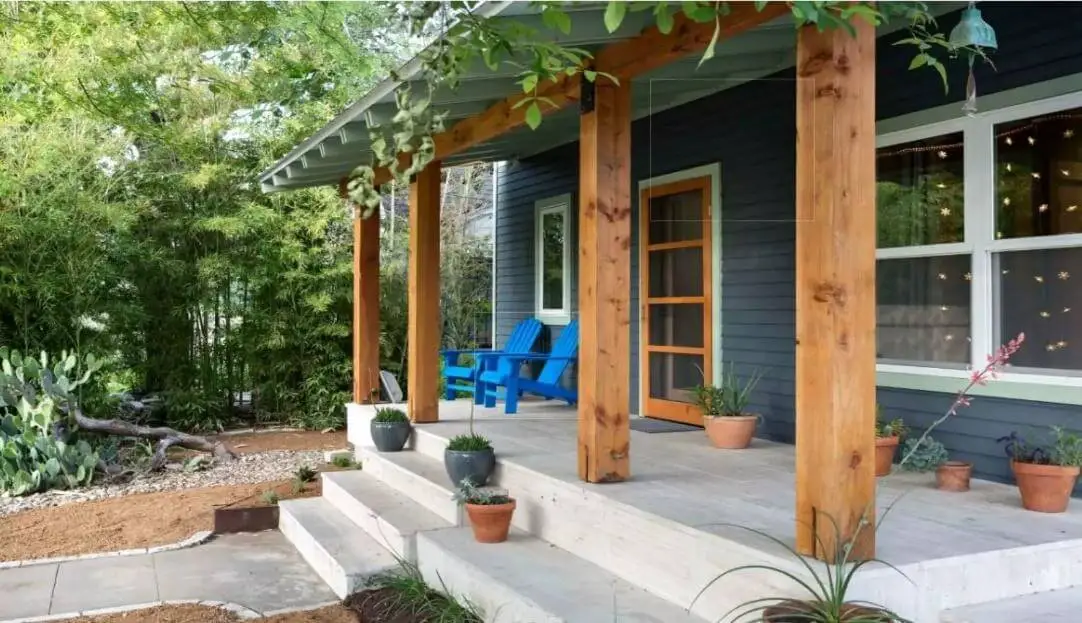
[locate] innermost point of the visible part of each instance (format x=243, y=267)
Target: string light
x=1064, y=275
x=1038, y=278
x=1068, y=133
x=1045, y=314
x=968, y=276
x=1043, y=207
x=945, y=211
x=942, y=276
x=1036, y=175
x=1031, y=140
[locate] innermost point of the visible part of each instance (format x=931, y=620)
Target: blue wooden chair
x=460, y=378
x=503, y=371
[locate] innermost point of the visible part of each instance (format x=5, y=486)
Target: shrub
x=343, y=461
x=469, y=443
x=269, y=497
x=891, y=428
x=1066, y=448
x=390, y=414
x=305, y=474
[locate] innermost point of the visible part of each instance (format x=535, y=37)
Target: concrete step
x=421, y=478
x=526, y=579
x=335, y=547
x=386, y=515
x=1063, y=606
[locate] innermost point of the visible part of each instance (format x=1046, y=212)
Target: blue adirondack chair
x=461, y=378
x=503, y=371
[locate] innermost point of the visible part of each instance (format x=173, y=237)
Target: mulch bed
x=206, y=614
x=151, y=519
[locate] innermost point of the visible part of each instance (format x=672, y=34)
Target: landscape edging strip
x=196, y=539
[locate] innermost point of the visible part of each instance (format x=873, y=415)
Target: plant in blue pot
x=390, y=429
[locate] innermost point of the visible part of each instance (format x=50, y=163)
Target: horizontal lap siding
x=750, y=130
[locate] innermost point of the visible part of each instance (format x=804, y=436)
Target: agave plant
x=827, y=587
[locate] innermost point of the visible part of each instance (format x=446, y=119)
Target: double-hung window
x=552, y=262
x=979, y=239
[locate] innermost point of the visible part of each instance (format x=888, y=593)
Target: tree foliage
x=131, y=224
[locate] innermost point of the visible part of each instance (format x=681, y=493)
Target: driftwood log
x=166, y=437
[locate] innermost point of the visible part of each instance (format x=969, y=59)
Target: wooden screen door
x=675, y=290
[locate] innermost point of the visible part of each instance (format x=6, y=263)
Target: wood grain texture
x=365, y=304
x=605, y=286
x=624, y=59
x=835, y=290
x=423, y=331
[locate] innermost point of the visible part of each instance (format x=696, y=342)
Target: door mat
x=650, y=425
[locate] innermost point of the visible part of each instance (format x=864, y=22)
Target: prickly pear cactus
x=34, y=453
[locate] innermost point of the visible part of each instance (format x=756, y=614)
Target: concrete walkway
x=258, y=571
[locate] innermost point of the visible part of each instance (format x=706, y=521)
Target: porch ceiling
x=343, y=144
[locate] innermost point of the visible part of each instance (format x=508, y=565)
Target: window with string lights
x=1038, y=238
x=922, y=292
x=979, y=239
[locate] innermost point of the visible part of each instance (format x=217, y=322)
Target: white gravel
x=247, y=468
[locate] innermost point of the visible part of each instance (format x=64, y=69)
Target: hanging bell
x=972, y=32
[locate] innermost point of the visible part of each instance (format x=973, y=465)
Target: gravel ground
x=246, y=469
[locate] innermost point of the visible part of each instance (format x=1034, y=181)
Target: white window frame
x=981, y=244
x=560, y=204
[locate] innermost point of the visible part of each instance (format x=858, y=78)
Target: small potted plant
x=1045, y=476
x=727, y=423
x=390, y=429
x=489, y=510
x=926, y=454
x=469, y=457
x=887, y=437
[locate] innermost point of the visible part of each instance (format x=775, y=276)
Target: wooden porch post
x=423, y=333
x=365, y=304
x=835, y=290
x=604, y=281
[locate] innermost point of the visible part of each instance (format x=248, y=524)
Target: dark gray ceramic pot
x=390, y=436
x=475, y=465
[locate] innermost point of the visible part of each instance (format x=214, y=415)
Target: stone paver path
x=260, y=571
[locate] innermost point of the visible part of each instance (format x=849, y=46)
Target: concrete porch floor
x=680, y=477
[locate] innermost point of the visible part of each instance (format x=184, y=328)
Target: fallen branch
x=166, y=437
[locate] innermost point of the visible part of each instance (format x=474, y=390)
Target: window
x=980, y=238
x=1038, y=239
x=553, y=259
x=923, y=272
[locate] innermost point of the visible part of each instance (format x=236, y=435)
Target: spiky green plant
x=827, y=588
x=469, y=443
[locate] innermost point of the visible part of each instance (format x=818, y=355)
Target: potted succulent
x=489, y=510
x=926, y=454
x=469, y=457
x=827, y=586
x=887, y=437
x=1046, y=476
x=727, y=423
x=390, y=429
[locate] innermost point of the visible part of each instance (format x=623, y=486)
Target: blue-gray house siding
x=751, y=131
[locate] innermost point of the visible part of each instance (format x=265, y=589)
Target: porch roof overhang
x=330, y=154
x=343, y=144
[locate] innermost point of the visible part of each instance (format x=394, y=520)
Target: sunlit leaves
x=614, y=14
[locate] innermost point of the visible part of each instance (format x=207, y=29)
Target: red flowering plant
x=995, y=364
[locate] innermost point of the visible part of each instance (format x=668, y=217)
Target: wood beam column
x=604, y=281
x=835, y=290
x=423, y=332
x=365, y=304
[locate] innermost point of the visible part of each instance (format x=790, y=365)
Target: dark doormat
x=650, y=425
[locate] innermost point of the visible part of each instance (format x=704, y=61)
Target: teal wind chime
x=972, y=35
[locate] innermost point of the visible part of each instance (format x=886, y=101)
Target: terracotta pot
x=1044, y=488
x=953, y=476
x=794, y=611
x=490, y=522
x=884, y=454
x=732, y=432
